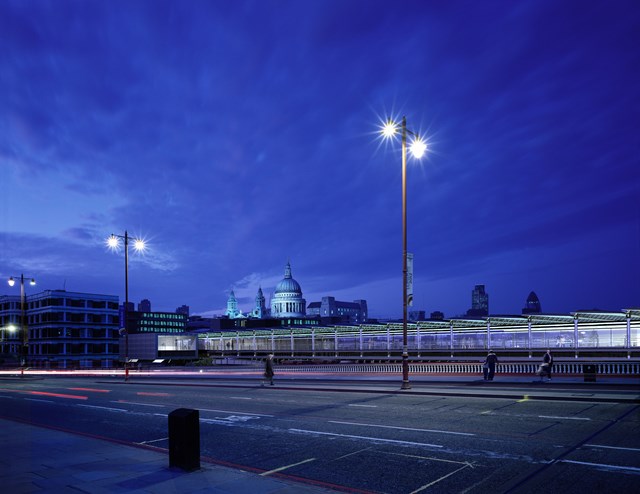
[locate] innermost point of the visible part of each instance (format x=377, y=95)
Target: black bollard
x=589, y=371
x=184, y=439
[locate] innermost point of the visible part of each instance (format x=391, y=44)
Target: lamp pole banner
x=409, y=279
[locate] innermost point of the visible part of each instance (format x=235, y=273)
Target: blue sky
x=235, y=136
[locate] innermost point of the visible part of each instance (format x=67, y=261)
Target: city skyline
x=237, y=137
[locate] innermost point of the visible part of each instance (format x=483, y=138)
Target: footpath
x=35, y=459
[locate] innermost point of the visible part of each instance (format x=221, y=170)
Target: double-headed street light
x=23, y=319
x=138, y=244
x=418, y=147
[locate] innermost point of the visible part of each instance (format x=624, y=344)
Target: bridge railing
x=628, y=369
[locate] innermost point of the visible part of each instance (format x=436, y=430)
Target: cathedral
x=287, y=301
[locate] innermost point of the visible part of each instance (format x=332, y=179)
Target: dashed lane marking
x=136, y=403
x=154, y=440
x=618, y=468
x=402, y=428
x=562, y=418
x=275, y=470
x=420, y=457
x=105, y=408
x=366, y=438
x=611, y=447
x=424, y=487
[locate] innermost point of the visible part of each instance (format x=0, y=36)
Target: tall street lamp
x=418, y=148
x=23, y=319
x=114, y=243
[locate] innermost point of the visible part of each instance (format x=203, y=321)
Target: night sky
x=235, y=136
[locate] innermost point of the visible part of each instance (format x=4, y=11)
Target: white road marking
x=354, y=453
x=141, y=404
x=263, y=474
x=424, y=487
x=467, y=463
x=154, y=440
x=602, y=465
x=240, y=398
x=612, y=447
x=36, y=399
x=376, y=439
x=234, y=412
x=402, y=428
x=363, y=406
x=105, y=408
x=229, y=419
x=562, y=418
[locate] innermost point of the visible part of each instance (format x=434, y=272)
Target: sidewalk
x=35, y=459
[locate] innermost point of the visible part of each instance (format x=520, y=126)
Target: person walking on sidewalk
x=546, y=366
x=489, y=367
x=268, y=369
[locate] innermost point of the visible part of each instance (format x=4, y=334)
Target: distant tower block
x=532, y=305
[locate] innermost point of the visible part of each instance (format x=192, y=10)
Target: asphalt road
x=358, y=441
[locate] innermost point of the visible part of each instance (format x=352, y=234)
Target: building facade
x=351, y=312
x=532, y=305
x=479, y=302
x=156, y=322
x=65, y=329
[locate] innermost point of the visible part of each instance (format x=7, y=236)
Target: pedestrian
x=546, y=366
x=268, y=369
x=489, y=366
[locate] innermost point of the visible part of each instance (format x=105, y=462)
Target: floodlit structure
x=590, y=333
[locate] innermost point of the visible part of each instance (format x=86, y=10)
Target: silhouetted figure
x=489, y=367
x=268, y=369
x=546, y=366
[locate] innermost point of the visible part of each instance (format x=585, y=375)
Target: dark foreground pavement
x=36, y=459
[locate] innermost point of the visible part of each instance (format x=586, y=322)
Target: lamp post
x=418, y=148
x=23, y=320
x=114, y=243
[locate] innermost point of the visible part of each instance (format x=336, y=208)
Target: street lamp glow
x=139, y=245
x=418, y=148
x=11, y=281
x=113, y=242
x=389, y=129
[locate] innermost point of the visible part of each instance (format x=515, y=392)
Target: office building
x=532, y=305
x=350, y=312
x=65, y=329
x=479, y=302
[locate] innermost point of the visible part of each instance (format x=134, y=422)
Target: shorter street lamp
x=10, y=328
x=23, y=319
x=138, y=244
x=418, y=147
